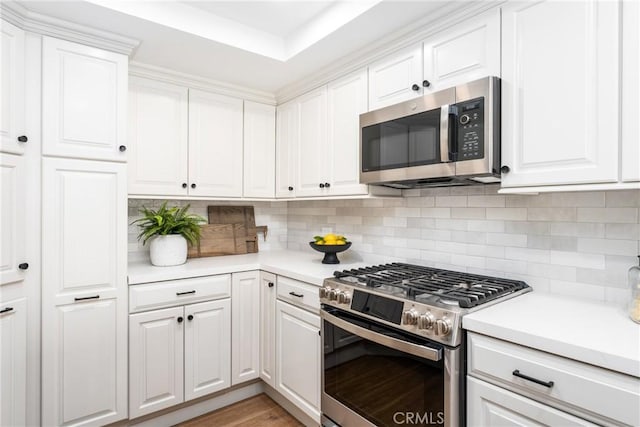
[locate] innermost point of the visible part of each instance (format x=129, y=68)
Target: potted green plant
x=169, y=230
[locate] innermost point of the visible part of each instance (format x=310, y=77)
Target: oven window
x=404, y=142
x=383, y=385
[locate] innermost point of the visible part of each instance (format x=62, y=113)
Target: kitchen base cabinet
x=298, y=352
x=488, y=405
x=13, y=357
x=268, y=327
x=245, y=326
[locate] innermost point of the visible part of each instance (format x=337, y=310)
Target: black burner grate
x=467, y=290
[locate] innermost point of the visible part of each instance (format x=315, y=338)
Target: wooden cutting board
x=231, y=231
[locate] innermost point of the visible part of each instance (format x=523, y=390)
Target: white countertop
x=596, y=333
x=304, y=266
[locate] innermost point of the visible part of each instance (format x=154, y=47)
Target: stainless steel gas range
x=394, y=348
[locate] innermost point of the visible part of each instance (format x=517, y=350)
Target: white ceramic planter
x=168, y=250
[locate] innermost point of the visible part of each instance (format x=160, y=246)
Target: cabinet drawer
x=178, y=292
x=575, y=387
x=298, y=293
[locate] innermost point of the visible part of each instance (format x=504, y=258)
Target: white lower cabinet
x=268, y=327
x=245, y=326
x=298, y=357
x=177, y=354
x=13, y=357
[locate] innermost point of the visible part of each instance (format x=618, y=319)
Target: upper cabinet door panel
x=84, y=100
x=286, y=147
x=11, y=88
x=158, y=138
x=631, y=91
x=215, y=145
x=259, y=150
x=12, y=214
x=392, y=79
x=463, y=53
x=312, y=143
x=84, y=229
x=560, y=92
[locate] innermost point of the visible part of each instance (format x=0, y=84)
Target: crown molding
x=166, y=75
x=21, y=17
x=453, y=13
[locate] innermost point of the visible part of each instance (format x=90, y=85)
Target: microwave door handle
x=444, y=134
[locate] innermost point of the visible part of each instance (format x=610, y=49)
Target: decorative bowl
x=330, y=251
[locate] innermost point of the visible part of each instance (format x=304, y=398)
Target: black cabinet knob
x=505, y=169
x=190, y=317
x=23, y=138
x=184, y=185
x=321, y=185
x=426, y=83
x=327, y=185
x=415, y=87
x=23, y=266
x=193, y=185
x=290, y=188
x=122, y=148
x=180, y=319
x=270, y=284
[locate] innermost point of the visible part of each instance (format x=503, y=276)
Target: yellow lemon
x=320, y=242
x=340, y=242
x=330, y=236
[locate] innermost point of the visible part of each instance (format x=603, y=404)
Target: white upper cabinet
x=84, y=101
x=631, y=91
x=13, y=264
x=245, y=323
x=463, y=53
x=215, y=145
x=346, y=100
x=259, y=150
x=312, y=143
x=268, y=327
x=13, y=358
x=287, y=125
x=560, y=92
x=12, y=89
x=157, y=128
x=396, y=78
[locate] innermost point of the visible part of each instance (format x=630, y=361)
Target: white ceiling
x=262, y=45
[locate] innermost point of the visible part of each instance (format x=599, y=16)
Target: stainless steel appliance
x=449, y=137
x=394, y=345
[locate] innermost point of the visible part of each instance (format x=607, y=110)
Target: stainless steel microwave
x=449, y=137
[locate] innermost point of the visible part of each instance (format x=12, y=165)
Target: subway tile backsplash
x=578, y=243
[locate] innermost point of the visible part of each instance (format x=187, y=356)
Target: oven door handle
x=434, y=354
x=444, y=134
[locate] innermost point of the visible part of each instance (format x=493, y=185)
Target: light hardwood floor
x=257, y=411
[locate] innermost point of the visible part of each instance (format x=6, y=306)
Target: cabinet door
x=215, y=145
x=268, y=327
x=259, y=150
x=245, y=331
x=347, y=99
x=560, y=92
x=396, y=78
x=286, y=147
x=298, y=352
x=156, y=348
x=312, y=160
x=84, y=101
x=207, y=348
x=13, y=357
x=84, y=230
x=84, y=363
x=463, y=53
x=12, y=214
x=158, y=138
x=11, y=88
x=630, y=91
x=488, y=405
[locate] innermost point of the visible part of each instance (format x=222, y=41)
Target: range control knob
x=410, y=317
x=464, y=119
x=443, y=327
x=333, y=294
x=344, y=298
x=426, y=321
x=324, y=292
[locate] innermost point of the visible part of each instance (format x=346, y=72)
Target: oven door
x=373, y=375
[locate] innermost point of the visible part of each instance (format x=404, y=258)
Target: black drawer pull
x=86, y=298
x=6, y=310
x=296, y=295
x=270, y=284
x=185, y=293
x=517, y=373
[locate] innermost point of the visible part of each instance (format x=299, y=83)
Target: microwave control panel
x=470, y=129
